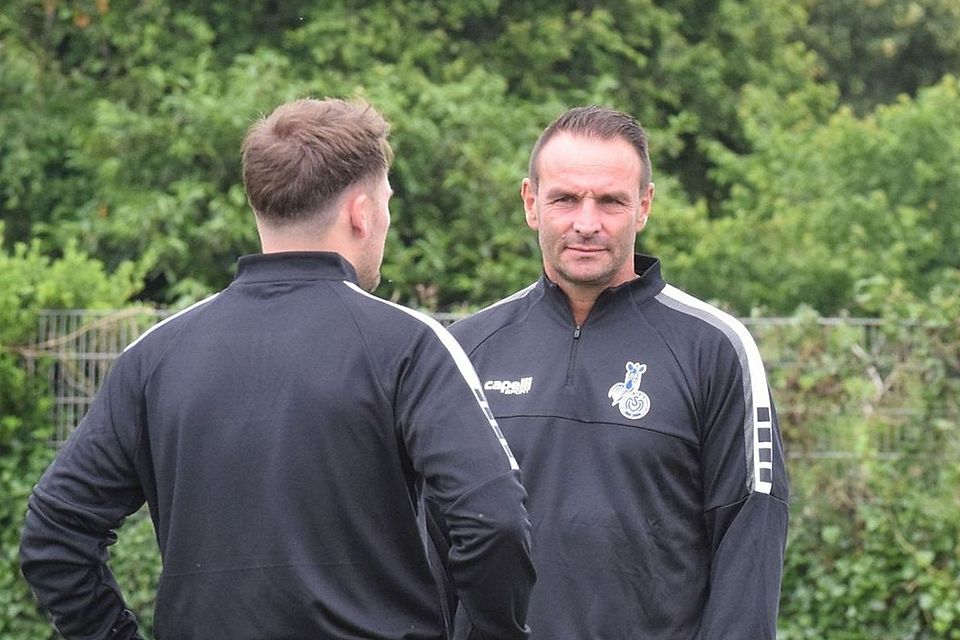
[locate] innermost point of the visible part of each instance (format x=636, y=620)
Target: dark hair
x=298, y=159
x=600, y=123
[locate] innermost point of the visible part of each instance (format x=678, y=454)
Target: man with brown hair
x=282, y=430
x=640, y=415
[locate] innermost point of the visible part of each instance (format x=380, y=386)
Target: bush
x=29, y=282
x=873, y=549
x=871, y=421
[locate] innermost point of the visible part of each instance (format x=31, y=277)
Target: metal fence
x=76, y=348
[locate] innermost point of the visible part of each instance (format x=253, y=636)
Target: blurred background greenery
x=807, y=161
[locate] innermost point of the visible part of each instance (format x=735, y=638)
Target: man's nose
x=587, y=220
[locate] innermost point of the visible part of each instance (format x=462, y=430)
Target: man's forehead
x=589, y=161
x=567, y=147
x=569, y=139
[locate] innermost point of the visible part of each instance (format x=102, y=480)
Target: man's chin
x=591, y=278
x=587, y=267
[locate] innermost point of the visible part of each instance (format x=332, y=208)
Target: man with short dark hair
x=282, y=430
x=640, y=416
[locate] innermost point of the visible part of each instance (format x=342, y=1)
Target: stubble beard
x=368, y=272
x=602, y=274
x=369, y=279
x=597, y=281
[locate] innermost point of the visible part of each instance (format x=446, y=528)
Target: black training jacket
x=281, y=432
x=651, y=454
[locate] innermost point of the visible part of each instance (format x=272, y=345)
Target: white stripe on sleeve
x=459, y=358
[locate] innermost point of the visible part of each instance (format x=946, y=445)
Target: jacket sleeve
x=745, y=497
x=473, y=482
x=84, y=495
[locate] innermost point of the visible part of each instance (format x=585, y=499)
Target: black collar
x=648, y=283
x=294, y=265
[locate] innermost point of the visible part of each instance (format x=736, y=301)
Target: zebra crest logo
x=633, y=403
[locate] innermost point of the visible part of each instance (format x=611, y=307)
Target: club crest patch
x=633, y=403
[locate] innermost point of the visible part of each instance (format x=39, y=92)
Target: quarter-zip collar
x=648, y=283
x=294, y=265
x=645, y=286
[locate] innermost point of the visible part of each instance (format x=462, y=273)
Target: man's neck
x=581, y=301
x=301, y=237
x=581, y=298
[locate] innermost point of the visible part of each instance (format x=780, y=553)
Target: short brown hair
x=600, y=123
x=298, y=159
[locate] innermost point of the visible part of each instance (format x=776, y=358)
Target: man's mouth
x=584, y=249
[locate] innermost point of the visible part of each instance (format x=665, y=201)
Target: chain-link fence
x=77, y=347
x=840, y=378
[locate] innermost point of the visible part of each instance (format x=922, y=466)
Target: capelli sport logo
x=510, y=387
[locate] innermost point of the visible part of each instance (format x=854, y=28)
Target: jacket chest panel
x=591, y=379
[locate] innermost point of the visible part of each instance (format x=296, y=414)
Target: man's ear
x=646, y=206
x=358, y=212
x=529, y=194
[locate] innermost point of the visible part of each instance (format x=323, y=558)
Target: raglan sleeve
x=746, y=494
x=82, y=497
x=474, y=485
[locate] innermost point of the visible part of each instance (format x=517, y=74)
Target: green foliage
x=150, y=201
x=872, y=421
x=676, y=65
x=31, y=281
x=35, y=123
x=782, y=188
x=24, y=453
x=877, y=50
x=770, y=193
x=135, y=562
x=457, y=235
x=816, y=211
x=880, y=569
x=138, y=108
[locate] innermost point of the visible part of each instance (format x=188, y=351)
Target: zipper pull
x=576, y=333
